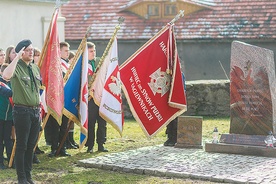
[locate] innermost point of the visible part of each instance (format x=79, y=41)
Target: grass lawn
x=61, y=170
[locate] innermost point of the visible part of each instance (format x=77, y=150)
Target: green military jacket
x=25, y=90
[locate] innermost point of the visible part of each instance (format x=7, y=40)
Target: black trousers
x=57, y=132
x=171, y=130
x=93, y=117
x=27, y=127
x=5, y=137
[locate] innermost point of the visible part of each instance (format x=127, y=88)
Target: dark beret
x=23, y=43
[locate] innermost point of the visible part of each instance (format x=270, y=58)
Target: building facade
x=27, y=19
x=204, y=35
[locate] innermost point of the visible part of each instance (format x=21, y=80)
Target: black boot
x=169, y=142
x=69, y=145
x=101, y=148
x=38, y=151
x=171, y=132
x=71, y=139
x=2, y=166
x=35, y=159
x=64, y=153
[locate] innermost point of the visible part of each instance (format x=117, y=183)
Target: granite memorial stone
x=252, y=90
x=189, y=132
x=252, y=103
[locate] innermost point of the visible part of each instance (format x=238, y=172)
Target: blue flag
x=76, y=92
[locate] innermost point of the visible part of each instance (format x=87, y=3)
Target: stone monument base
x=240, y=149
x=242, y=144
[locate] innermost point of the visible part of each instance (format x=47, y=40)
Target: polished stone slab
x=242, y=139
x=252, y=90
x=241, y=149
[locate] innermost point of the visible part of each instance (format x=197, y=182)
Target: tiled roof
x=46, y=1
x=227, y=19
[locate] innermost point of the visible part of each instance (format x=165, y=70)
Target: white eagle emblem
x=115, y=86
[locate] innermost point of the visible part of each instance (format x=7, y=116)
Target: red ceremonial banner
x=51, y=72
x=147, y=85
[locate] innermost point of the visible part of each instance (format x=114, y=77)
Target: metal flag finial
x=180, y=14
x=120, y=20
x=87, y=31
x=58, y=3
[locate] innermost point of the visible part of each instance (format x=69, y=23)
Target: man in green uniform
x=25, y=81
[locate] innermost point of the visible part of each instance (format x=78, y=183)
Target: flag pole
x=44, y=47
x=70, y=122
x=75, y=59
x=117, y=27
x=178, y=16
x=12, y=154
x=66, y=77
x=44, y=122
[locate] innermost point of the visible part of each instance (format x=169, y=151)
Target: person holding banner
x=59, y=131
x=171, y=132
x=93, y=108
x=25, y=82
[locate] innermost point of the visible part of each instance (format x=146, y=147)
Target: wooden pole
x=46, y=42
x=12, y=154
x=45, y=120
x=64, y=137
x=66, y=77
x=117, y=27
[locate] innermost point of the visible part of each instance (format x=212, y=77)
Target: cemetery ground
x=65, y=169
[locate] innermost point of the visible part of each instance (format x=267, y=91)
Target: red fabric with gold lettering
x=51, y=73
x=146, y=87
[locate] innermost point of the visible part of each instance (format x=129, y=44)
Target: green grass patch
x=65, y=169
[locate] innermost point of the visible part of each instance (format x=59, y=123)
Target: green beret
x=23, y=43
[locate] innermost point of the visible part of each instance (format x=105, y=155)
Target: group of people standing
x=20, y=114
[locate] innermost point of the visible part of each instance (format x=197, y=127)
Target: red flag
x=152, y=83
x=176, y=98
x=51, y=73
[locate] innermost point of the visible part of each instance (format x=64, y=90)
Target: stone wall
x=204, y=98
x=208, y=98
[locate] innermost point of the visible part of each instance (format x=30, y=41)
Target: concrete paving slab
x=188, y=163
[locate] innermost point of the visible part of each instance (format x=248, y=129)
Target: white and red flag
x=83, y=113
x=110, y=107
x=90, y=70
x=152, y=82
x=64, y=66
x=99, y=82
x=50, y=69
